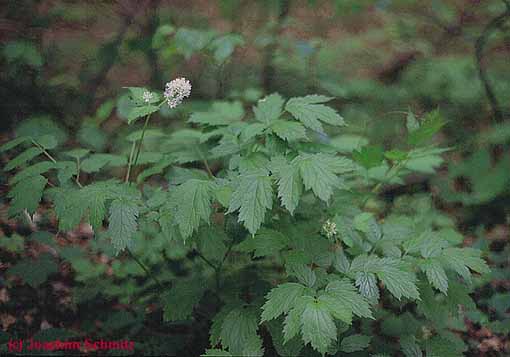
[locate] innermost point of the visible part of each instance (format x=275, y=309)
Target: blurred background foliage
x=64, y=65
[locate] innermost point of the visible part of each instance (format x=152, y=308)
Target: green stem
x=207, y=261
x=206, y=164
x=78, y=168
x=220, y=266
x=208, y=169
x=145, y=269
x=46, y=153
x=139, y=149
x=128, y=173
x=43, y=150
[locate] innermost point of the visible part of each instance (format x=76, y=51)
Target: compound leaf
x=309, y=111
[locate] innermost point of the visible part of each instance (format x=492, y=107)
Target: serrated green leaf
x=182, y=298
x=336, y=308
x=355, y=343
x=318, y=173
x=252, y=198
x=269, y=108
x=410, y=347
x=34, y=170
x=318, y=328
x=26, y=194
x=397, y=280
x=367, y=285
x=23, y=158
x=292, y=322
x=436, y=274
x=304, y=274
x=123, y=223
x=69, y=207
x=289, y=131
x=290, y=348
x=460, y=259
x=223, y=193
x=251, y=130
x=366, y=223
x=346, y=294
x=280, y=300
x=289, y=183
x=310, y=112
x=96, y=195
x=191, y=204
x=265, y=242
x=217, y=322
x=238, y=330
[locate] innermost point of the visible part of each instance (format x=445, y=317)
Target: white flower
x=176, y=91
x=329, y=229
x=147, y=96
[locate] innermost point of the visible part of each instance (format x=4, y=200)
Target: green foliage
x=26, y=195
x=270, y=221
x=309, y=111
x=252, y=198
x=34, y=272
x=123, y=222
x=182, y=297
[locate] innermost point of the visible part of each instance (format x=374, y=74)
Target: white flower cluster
x=176, y=91
x=329, y=229
x=147, y=96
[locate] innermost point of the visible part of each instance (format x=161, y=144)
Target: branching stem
x=495, y=24
x=145, y=269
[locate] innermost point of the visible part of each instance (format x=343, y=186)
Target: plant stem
x=43, y=150
x=208, y=169
x=206, y=164
x=495, y=24
x=47, y=154
x=130, y=161
x=145, y=269
x=78, y=168
x=207, y=261
x=139, y=149
x=218, y=271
